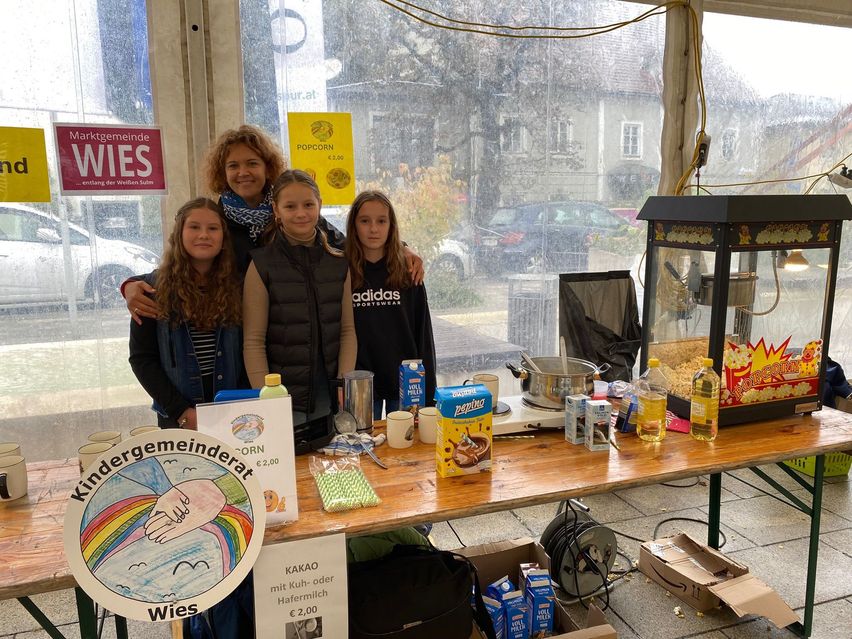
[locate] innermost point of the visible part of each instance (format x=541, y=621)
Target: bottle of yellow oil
x=704, y=404
x=652, y=390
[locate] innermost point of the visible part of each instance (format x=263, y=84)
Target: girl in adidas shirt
x=392, y=320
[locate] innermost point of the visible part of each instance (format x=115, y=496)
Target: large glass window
x=778, y=114
x=505, y=157
x=63, y=328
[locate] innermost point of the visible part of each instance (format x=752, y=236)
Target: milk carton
x=516, y=611
x=498, y=619
x=598, y=415
x=412, y=385
x=541, y=602
x=575, y=418
x=463, y=439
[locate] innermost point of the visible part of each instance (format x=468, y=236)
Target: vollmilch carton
x=412, y=385
x=541, y=602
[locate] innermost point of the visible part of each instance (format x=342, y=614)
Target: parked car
x=33, y=263
x=453, y=257
x=549, y=236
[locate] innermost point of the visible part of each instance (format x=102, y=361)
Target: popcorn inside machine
x=749, y=281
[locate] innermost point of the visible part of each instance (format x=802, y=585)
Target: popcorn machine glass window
x=748, y=281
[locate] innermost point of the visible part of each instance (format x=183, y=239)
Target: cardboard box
x=502, y=558
x=704, y=578
x=598, y=419
x=575, y=418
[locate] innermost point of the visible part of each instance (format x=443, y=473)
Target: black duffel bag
x=415, y=592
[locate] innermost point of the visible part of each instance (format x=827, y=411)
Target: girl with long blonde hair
x=391, y=313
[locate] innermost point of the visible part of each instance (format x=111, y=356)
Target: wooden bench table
x=526, y=472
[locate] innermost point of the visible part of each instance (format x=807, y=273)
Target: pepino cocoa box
x=463, y=443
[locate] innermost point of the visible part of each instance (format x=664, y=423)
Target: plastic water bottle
x=652, y=389
x=704, y=404
x=273, y=387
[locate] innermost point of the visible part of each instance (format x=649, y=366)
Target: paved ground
x=769, y=537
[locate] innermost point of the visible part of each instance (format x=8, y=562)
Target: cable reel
x=582, y=551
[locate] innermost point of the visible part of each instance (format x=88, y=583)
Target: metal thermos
x=358, y=398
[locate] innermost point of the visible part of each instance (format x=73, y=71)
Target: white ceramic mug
x=108, y=436
x=139, y=430
x=88, y=453
x=491, y=382
x=13, y=477
x=400, y=429
x=427, y=424
x=8, y=449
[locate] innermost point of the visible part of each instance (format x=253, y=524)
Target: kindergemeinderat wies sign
x=164, y=525
x=101, y=159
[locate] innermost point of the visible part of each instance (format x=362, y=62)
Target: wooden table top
x=526, y=472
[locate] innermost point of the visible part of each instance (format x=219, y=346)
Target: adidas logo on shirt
x=377, y=297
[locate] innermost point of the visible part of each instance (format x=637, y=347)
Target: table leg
x=714, y=508
x=120, y=627
x=41, y=618
x=86, y=615
x=804, y=630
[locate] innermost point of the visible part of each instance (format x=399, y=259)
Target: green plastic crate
x=836, y=464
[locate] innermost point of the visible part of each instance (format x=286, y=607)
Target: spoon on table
x=346, y=424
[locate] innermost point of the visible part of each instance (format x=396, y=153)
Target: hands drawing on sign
x=183, y=508
x=173, y=504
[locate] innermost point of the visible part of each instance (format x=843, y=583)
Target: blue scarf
x=254, y=219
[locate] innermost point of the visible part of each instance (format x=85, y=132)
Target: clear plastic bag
x=341, y=483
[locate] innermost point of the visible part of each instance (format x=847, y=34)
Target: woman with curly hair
x=194, y=346
x=240, y=168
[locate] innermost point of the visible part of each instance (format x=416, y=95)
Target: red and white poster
x=105, y=159
x=761, y=372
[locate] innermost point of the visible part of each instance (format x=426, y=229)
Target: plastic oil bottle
x=652, y=389
x=272, y=387
x=704, y=404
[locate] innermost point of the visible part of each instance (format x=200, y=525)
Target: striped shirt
x=204, y=343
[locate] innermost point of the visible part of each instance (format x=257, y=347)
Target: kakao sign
x=107, y=159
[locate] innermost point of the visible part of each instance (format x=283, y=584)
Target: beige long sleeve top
x=256, y=321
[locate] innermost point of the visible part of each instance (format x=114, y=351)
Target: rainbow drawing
x=233, y=528
x=115, y=528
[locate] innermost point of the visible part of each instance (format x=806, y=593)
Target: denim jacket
x=164, y=361
x=177, y=357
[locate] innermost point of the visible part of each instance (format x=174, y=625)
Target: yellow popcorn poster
x=23, y=165
x=321, y=145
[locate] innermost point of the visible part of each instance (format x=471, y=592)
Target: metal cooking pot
x=549, y=388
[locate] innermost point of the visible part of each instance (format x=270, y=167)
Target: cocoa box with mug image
x=463, y=438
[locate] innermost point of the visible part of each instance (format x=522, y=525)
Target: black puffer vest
x=305, y=285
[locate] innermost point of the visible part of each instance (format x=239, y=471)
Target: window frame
x=523, y=135
x=556, y=137
x=640, y=131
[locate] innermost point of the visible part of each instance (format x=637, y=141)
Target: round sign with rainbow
x=164, y=525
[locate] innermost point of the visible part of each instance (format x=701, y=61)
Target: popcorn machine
x=748, y=280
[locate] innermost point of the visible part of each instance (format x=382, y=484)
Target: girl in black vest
x=297, y=307
x=391, y=312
